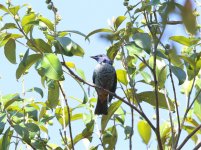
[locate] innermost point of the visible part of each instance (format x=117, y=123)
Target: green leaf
x=10, y=51
x=146, y=76
x=110, y=138
x=122, y=76
x=6, y=141
x=36, y=89
x=118, y=21
x=149, y=97
x=113, y=50
x=8, y=26
x=184, y=41
x=80, y=72
x=189, y=17
x=68, y=47
x=197, y=106
x=53, y=95
x=133, y=49
x=23, y=132
x=143, y=41
x=24, y=66
x=26, y=20
x=77, y=117
x=111, y=110
x=51, y=67
x=62, y=115
x=86, y=133
x=165, y=131
x=48, y=23
x=76, y=32
x=2, y=7
x=128, y=132
x=179, y=73
x=39, y=46
x=97, y=31
x=144, y=130
x=3, y=120
x=14, y=10
x=9, y=99
x=161, y=70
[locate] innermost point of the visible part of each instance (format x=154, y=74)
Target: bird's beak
x=94, y=57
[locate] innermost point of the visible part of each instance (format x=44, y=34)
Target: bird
x=104, y=76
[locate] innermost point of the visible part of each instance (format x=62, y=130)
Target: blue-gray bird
x=104, y=76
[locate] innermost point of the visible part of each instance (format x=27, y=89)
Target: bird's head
x=102, y=58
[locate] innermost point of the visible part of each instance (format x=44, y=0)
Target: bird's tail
x=101, y=108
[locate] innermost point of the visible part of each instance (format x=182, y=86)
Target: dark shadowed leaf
x=23, y=132
x=10, y=51
x=149, y=97
x=68, y=47
x=36, y=89
x=24, y=66
x=2, y=7
x=3, y=120
x=6, y=141
x=39, y=46
x=111, y=110
x=53, y=95
x=110, y=138
x=127, y=131
x=86, y=133
x=143, y=41
x=179, y=73
x=9, y=26
x=144, y=130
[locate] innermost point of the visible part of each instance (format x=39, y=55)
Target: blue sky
x=84, y=16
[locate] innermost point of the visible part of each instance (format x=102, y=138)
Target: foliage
x=136, y=42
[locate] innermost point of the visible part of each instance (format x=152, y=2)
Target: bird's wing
x=94, y=76
x=113, y=89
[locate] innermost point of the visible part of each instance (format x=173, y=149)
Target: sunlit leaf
x=118, y=21
x=9, y=99
x=49, y=24
x=111, y=110
x=97, y=31
x=62, y=116
x=184, y=41
x=190, y=129
x=51, y=67
x=133, y=49
x=144, y=130
x=26, y=20
x=122, y=76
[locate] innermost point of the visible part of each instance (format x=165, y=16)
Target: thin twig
x=189, y=136
x=170, y=116
x=197, y=146
x=69, y=116
x=113, y=94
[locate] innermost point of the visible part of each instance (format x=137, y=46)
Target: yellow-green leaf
x=122, y=76
x=144, y=130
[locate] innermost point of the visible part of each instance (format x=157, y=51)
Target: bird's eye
x=100, y=55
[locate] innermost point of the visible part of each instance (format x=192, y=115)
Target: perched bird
x=104, y=76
